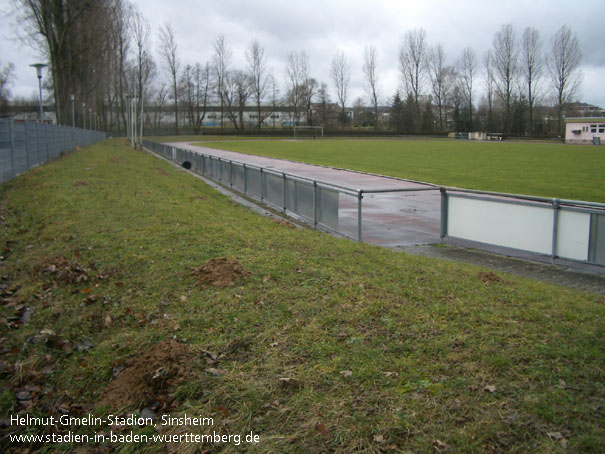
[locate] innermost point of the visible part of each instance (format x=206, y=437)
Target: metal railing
x=568, y=230
x=516, y=225
x=24, y=145
x=319, y=203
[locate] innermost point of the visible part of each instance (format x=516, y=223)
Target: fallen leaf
x=216, y=372
x=274, y=344
x=378, y=438
x=321, y=428
x=107, y=321
x=439, y=445
x=555, y=435
x=86, y=290
x=346, y=373
x=490, y=388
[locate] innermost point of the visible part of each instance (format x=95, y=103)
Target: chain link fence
x=25, y=144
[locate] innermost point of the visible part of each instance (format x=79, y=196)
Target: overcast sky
x=322, y=27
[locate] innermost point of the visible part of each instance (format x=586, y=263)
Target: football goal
x=314, y=132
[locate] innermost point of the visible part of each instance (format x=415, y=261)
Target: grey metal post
x=444, y=213
x=359, y=221
x=555, y=228
x=314, y=204
x=231, y=173
x=245, y=180
x=262, y=185
x=27, y=160
x=12, y=139
x=285, y=182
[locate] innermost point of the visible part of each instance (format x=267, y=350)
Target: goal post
x=309, y=131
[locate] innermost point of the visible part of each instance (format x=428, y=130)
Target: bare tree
x=187, y=92
x=168, y=50
x=505, y=68
x=75, y=36
x=236, y=90
x=467, y=68
x=488, y=63
x=340, y=71
x=145, y=65
x=6, y=77
x=297, y=74
x=257, y=69
x=564, y=67
x=532, y=68
x=370, y=65
x=308, y=95
x=441, y=77
x=413, y=56
x=202, y=94
x=274, y=95
x=221, y=61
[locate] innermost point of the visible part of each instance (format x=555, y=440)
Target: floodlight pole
x=39, y=67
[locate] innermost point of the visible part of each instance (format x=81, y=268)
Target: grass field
x=547, y=170
x=320, y=345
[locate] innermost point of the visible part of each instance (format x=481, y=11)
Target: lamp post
x=90, y=118
x=83, y=115
x=129, y=110
x=72, y=98
x=39, y=67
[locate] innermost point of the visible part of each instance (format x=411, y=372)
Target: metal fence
x=313, y=201
x=566, y=230
x=24, y=145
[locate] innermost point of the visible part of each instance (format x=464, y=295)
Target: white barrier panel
x=573, y=234
x=528, y=228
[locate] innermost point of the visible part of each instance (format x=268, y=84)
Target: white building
x=588, y=130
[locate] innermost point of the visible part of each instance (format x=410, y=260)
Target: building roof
x=585, y=120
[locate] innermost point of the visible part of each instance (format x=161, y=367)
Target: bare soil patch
x=220, y=272
x=162, y=171
x=489, y=277
x=150, y=376
x=284, y=223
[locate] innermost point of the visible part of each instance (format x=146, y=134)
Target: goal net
x=313, y=132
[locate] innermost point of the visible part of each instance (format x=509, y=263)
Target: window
x=601, y=129
x=593, y=128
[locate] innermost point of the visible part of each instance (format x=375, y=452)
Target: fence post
x=27, y=152
x=555, y=228
x=359, y=199
x=444, y=213
x=11, y=134
x=262, y=185
x=314, y=204
x=285, y=181
x=231, y=173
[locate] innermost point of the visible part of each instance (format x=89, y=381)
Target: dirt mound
x=220, y=272
x=150, y=376
x=284, y=223
x=64, y=270
x=488, y=277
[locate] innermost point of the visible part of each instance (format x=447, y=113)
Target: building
x=585, y=130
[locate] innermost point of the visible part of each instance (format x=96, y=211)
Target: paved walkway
x=390, y=220
x=407, y=222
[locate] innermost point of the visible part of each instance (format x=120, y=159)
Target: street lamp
x=39, y=67
x=83, y=115
x=72, y=98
